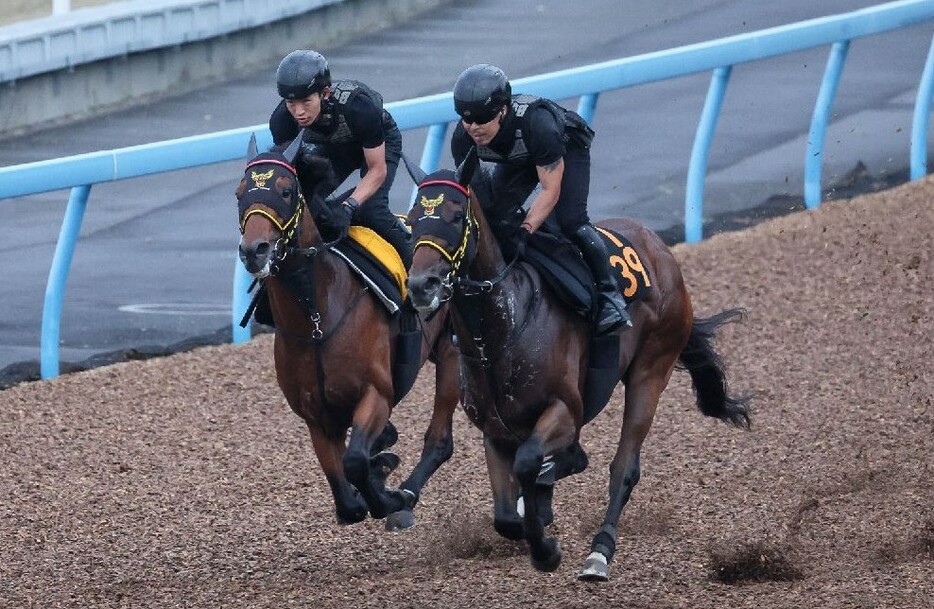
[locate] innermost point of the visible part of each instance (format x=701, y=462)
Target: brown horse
x=335, y=344
x=524, y=354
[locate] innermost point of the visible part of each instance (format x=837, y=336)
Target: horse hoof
x=392, y=501
x=553, y=559
x=510, y=529
x=351, y=517
x=595, y=569
x=400, y=521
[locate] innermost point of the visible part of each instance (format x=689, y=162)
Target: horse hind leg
x=643, y=390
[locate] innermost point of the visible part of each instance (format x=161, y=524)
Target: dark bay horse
x=335, y=344
x=524, y=354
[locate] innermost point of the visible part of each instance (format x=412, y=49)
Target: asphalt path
x=155, y=262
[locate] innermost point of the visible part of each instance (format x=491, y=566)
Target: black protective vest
x=576, y=130
x=333, y=124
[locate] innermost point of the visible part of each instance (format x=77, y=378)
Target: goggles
x=480, y=116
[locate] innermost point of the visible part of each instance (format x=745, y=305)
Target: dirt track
x=186, y=481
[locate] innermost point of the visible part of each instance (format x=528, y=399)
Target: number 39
x=628, y=265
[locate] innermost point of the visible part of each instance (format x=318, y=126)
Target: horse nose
x=255, y=256
x=424, y=290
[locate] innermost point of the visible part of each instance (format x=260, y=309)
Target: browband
x=274, y=162
x=444, y=183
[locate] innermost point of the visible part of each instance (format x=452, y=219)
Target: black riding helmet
x=302, y=73
x=480, y=92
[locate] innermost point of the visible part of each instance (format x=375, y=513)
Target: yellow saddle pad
x=385, y=253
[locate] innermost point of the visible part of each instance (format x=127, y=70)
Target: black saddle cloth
x=561, y=265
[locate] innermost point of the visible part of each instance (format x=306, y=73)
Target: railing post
x=919, y=124
x=58, y=277
x=697, y=169
x=240, y=303
x=586, y=106
x=813, y=159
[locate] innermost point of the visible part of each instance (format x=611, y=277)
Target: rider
x=345, y=123
x=534, y=141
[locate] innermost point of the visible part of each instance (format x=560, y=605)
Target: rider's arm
x=549, y=177
x=366, y=122
x=375, y=159
x=546, y=145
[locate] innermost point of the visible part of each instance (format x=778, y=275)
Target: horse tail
x=706, y=368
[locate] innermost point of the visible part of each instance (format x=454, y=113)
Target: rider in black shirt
x=345, y=123
x=533, y=141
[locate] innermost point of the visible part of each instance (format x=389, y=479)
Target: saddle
x=561, y=266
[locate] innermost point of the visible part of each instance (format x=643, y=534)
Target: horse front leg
x=369, y=421
x=555, y=430
x=506, y=520
x=439, y=438
x=348, y=502
x=642, y=394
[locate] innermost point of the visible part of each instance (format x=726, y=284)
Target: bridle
x=290, y=230
x=460, y=255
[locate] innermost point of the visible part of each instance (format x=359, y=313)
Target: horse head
x=271, y=205
x=445, y=228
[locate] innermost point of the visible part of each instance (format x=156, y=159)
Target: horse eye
x=458, y=216
x=287, y=193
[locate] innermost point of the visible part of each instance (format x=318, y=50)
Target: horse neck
x=488, y=260
x=313, y=279
x=308, y=234
x=500, y=309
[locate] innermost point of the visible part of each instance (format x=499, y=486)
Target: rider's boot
x=612, y=313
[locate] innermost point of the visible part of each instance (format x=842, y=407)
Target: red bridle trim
x=274, y=162
x=444, y=183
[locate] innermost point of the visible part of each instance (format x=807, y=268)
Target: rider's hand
x=343, y=214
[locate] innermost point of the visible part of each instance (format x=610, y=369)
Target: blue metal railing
x=436, y=111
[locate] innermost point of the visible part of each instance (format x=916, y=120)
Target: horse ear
x=418, y=174
x=467, y=167
x=252, y=151
x=291, y=153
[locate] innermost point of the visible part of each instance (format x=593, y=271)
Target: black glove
x=342, y=214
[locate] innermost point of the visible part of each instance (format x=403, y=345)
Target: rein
x=457, y=284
